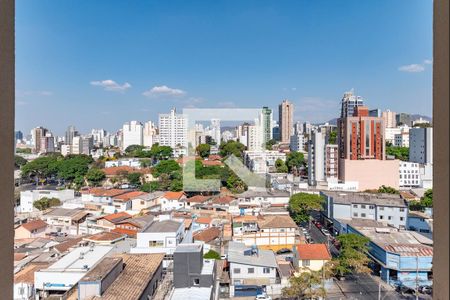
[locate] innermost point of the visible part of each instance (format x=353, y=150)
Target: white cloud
x=413, y=68
x=111, y=85
x=315, y=109
x=33, y=93
x=428, y=61
x=227, y=104
x=163, y=90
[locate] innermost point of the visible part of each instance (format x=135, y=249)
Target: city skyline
x=201, y=56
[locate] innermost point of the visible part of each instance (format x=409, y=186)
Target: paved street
x=319, y=238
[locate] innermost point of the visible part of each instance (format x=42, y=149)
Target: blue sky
x=97, y=64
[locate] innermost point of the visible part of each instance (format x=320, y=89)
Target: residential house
x=24, y=281
x=65, y=220
x=420, y=222
x=272, y=232
x=310, y=257
x=148, y=201
x=101, y=195
x=31, y=229
x=251, y=201
x=196, y=200
x=172, y=201
x=27, y=198
x=200, y=223
x=161, y=236
x=132, y=226
x=124, y=202
x=110, y=221
x=251, y=270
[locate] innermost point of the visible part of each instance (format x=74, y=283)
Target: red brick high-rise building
x=361, y=136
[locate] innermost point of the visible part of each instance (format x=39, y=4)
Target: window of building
x=371, y=206
x=402, y=218
x=381, y=208
x=306, y=263
x=402, y=209
x=355, y=205
x=196, y=281
x=363, y=215
x=363, y=206
x=355, y=214
x=389, y=217
x=155, y=244
x=251, y=270
x=236, y=270
x=266, y=270
x=381, y=217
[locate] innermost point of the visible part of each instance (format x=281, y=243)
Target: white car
x=263, y=297
x=223, y=257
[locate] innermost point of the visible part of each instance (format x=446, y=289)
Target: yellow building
x=310, y=257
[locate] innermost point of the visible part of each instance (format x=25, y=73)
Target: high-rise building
x=361, y=136
x=307, y=128
x=403, y=119
x=375, y=113
x=421, y=145
x=71, y=132
x=173, y=130
x=98, y=135
x=87, y=144
x=331, y=162
x=254, y=137
x=316, y=158
x=150, y=133
x=298, y=128
x=286, y=120
x=389, y=118
x=215, y=130
x=18, y=135
x=47, y=143
x=297, y=143
x=266, y=120
x=36, y=135
x=132, y=134
x=349, y=103
x=77, y=145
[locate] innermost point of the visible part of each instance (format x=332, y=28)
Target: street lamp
x=379, y=288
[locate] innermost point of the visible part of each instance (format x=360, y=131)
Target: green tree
x=422, y=125
x=166, y=167
x=352, y=257
x=231, y=147
x=270, y=144
x=133, y=149
x=387, y=190
x=203, y=150
x=332, y=137
x=42, y=167
x=45, y=203
x=134, y=178
x=158, y=152
x=307, y=285
x=176, y=185
x=401, y=153
x=416, y=206
x=23, y=150
x=427, y=198
x=73, y=166
x=211, y=254
x=280, y=165
x=235, y=184
x=150, y=187
x=295, y=160
x=301, y=204
x=19, y=161
x=145, y=163
x=95, y=176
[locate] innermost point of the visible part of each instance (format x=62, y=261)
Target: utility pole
x=379, y=288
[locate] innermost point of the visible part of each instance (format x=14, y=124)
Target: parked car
x=223, y=257
x=426, y=289
x=263, y=296
x=404, y=289
x=283, y=251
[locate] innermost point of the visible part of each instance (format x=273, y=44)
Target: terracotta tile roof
x=19, y=256
x=173, y=195
x=35, y=224
x=187, y=223
x=185, y=159
x=128, y=232
x=117, y=217
x=138, y=271
x=278, y=221
x=207, y=235
x=313, y=252
x=27, y=274
x=203, y=220
x=104, y=236
x=101, y=192
x=128, y=196
x=114, y=171
x=214, y=157
x=210, y=163
x=64, y=246
x=223, y=200
x=198, y=199
x=246, y=218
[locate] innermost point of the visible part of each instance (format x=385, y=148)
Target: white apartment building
x=316, y=158
x=150, y=134
x=331, y=162
x=262, y=161
x=128, y=162
x=415, y=175
x=161, y=236
x=254, y=137
x=421, y=145
x=98, y=135
x=388, y=208
x=27, y=198
x=77, y=144
x=132, y=134
x=298, y=142
x=215, y=130
x=401, y=140
x=173, y=132
x=66, y=150
x=390, y=132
